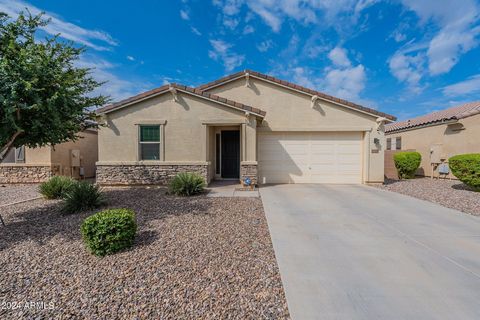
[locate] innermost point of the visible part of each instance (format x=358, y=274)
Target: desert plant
x=466, y=167
x=109, y=231
x=83, y=196
x=187, y=184
x=407, y=162
x=56, y=187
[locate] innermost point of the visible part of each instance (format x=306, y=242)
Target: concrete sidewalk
x=229, y=188
x=356, y=252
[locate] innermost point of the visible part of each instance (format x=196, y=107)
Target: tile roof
x=189, y=90
x=455, y=113
x=296, y=87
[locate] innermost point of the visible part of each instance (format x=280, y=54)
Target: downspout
x=369, y=151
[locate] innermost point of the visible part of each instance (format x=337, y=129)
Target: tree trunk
x=9, y=144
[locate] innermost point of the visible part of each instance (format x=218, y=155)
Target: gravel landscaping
x=449, y=193
x=193, y=258
x=10, y=193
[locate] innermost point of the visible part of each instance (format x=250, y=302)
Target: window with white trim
x=149, y=142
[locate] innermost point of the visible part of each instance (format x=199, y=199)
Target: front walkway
x=229, y=188
x=356, y=252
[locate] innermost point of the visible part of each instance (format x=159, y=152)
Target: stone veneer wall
x=249, y=170
x=16, y=173
x=144, y=174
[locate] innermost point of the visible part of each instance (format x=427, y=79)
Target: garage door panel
x=310, y=157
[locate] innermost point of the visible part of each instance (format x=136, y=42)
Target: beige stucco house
x=244, y=125
x=438, y=136
x=31, y=165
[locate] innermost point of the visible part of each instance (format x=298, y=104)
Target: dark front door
x=230, y=154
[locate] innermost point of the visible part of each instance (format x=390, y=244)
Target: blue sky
x=405, y=57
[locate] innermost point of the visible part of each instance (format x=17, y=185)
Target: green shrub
x=187, y=184
x=56, y=187
x=109, y=231
x=466, y=167
x=83, y=196
x=407, y=163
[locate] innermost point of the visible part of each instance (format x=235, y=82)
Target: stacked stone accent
x=25, y=174
x=144, y=174
x=249, y=170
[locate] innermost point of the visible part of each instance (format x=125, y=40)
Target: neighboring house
x=244, y=125
x=438, y=136
x=31, y=165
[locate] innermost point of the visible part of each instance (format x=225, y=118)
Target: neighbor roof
x=295, y=87
x=455, y=113
x=188, y=90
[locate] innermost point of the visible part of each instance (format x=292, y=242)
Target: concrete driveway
x=356, y=252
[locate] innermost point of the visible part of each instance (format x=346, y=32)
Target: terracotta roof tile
x=454, y=113
x=189, y=90
x=296, y=87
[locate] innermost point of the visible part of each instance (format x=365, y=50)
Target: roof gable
x=454, y=113
x=292, y=86
x=171, y=88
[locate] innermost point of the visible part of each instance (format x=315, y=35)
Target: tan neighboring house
x=438, y=136
x=244, y=125
x=31, y=165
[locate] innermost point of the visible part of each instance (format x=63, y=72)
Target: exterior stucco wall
x=453, y=139
x=41, y=155
x=185, y=134
x=88, y=147
x=288, y=110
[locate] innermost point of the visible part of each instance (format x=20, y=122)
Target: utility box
x=75, y=158
x=436, y=153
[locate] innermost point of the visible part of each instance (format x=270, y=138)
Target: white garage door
x=310, y=157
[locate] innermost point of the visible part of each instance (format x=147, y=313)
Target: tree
x=44, y=96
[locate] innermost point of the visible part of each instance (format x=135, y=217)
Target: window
x=150, y=142
x=389, y=143
x=20, y=154
x=398, y=143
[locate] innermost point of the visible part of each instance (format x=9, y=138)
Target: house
x=32, y=165
x=438, y=136
x=247, y=124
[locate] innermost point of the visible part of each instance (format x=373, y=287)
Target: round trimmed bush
x=466, y=167
x=56, y=187
x=186, y=184
x=109, y=231
x=83, y=196
x=407, y=163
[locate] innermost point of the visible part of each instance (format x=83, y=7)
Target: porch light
x=174, y=93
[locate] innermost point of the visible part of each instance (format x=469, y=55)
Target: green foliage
x=466, y=167
x=43, y=92
x=109, y=231
x=187, y=184
x=83, y=196
x=407, y=163
x=56, y=187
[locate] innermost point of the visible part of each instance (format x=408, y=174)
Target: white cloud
x=184, y=15
x=222, y=51
x=130, y=58
x=69, y=31
x=407, y=68
x=195, y=31
x=470, y=86
x=248, y=29
x=115, y=87
x=230, y=23
x=339, y=57
x=346, y=83
x=264, y=46
x=458, y=22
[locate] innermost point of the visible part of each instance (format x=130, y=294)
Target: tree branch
x=9, y=144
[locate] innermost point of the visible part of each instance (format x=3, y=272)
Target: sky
x=403, y=57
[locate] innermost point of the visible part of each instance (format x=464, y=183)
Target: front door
x=231, y=154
